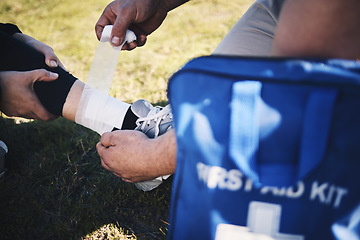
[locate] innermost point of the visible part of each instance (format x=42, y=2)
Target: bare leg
x=72, y=100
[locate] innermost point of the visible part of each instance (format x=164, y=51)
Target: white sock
x=100, y=112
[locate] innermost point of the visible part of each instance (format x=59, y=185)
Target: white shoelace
x=156, y=114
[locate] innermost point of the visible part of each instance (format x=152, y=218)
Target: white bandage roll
x=105, y=60
x=100, y=112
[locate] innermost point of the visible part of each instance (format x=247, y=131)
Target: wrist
x=164, y=156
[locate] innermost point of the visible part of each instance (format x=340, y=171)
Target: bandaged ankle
x=100, y=112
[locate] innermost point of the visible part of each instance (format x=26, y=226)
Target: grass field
x=55, y=187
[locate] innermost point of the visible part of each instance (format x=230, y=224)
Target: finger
x=118, y=33
x=105, y=166
x=120, y=26
x=105, y=156
x=107, y=139
x=51, y=61
x=122, y=178
x=141, y=35
x=129, y=46
x=99, y=27
x=100, y=149
x=141, y=40
x=106, y=18
x=118, y=175
x=50, y=58
x=126, y=180
x=44, y=75
x=41, y=113
x=98, y=31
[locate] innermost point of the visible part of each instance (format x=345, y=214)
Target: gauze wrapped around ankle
x=99, y=111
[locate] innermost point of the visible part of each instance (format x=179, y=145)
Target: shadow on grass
x=55, y=187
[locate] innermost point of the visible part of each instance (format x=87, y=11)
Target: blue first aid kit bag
x=266, y=149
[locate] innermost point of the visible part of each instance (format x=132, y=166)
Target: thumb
x=44, y=75
x=107, y=139
x=50, y=58
x=119, y=31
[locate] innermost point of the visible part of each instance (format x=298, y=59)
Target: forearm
x=164, y=153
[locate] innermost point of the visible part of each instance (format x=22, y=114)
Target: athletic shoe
x=153, y=121
x=3, y=151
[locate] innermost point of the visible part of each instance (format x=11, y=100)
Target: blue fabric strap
x=317, y=120
x=244, y=127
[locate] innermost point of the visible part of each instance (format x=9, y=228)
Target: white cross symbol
x=263, y=223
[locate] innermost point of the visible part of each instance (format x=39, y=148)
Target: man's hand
x=134, y=157
x=141, y=16
x=18, y=97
